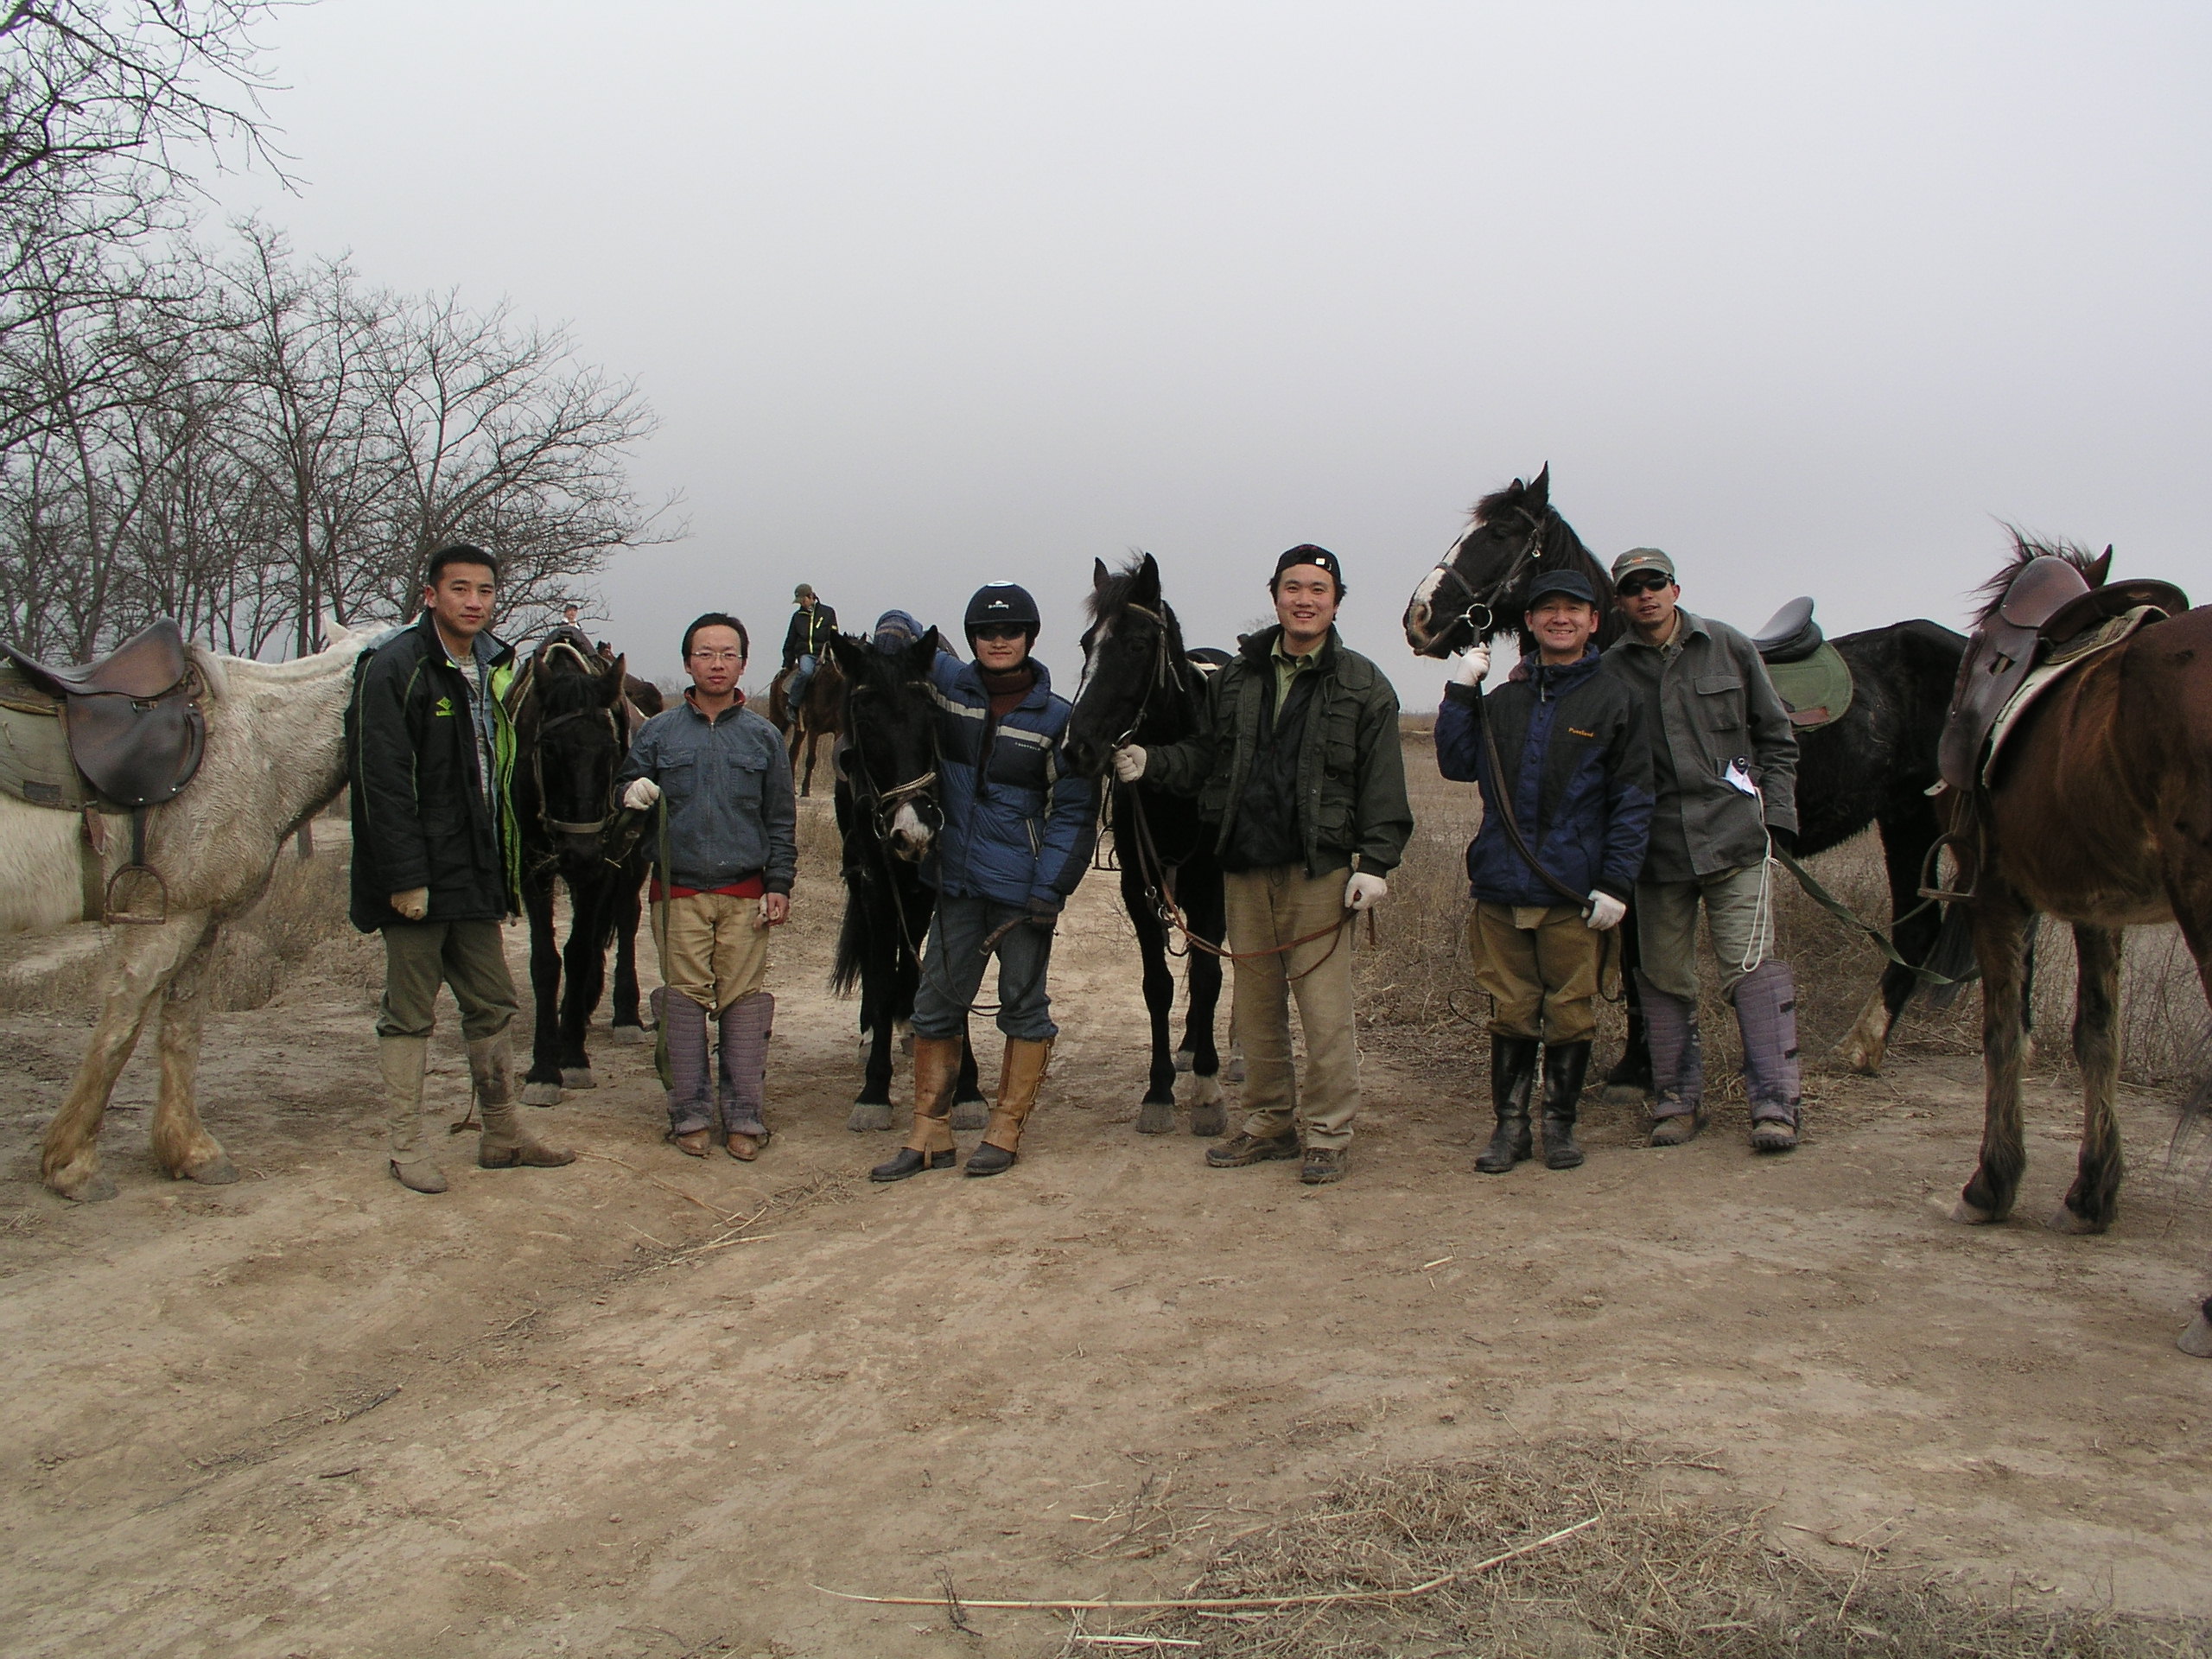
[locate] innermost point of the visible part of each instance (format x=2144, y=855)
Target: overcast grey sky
x=927, y=294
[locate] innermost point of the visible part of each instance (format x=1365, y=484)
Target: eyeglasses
x=1636, y=585
x=999, y=630
x=717, y=657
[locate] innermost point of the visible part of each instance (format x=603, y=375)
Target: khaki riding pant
x=1738, y=908
x=715, y=948
x=471, y=956
x=1539, y=966
x=1268, y=908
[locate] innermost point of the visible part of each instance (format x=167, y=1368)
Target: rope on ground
x=1073, y=1605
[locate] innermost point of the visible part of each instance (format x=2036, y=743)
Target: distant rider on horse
x=805, y=641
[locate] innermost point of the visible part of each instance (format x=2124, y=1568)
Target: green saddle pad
x=35, y=764
x=1816, y=690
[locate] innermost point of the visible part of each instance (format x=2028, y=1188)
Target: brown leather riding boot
x=504, y=1143
x=936, y=1063
x=1019, y=1074
x=401, y=1060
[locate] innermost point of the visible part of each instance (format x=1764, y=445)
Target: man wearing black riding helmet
x=1017, y=836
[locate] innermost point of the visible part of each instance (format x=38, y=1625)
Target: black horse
x=1873, y=765
x=574, y=713
x=1141, y=686
x=887, y=814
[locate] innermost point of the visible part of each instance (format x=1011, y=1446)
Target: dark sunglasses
x=999, y=630
x=1637, y=585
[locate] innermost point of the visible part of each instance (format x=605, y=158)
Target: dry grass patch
x=1663, y=1574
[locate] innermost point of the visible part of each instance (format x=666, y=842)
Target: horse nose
x=911, y=843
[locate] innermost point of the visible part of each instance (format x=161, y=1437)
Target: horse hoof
x=2198, y=1339
x=1156, y=1118
x=865, y=1118
x=1972, y=1215
x=541, y=1094
x=217, y=1171
x=1856, y=1060
x=969, y=1114
x=578, y=1077
x=2063, y=1220
x=1232, y=1069
x=632, y=1034
x=1209, y=1119
x=95, y=1188
x=1183, y=1059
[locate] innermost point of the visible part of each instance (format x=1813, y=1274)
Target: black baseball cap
x=1309, y=554
x=1572, y=583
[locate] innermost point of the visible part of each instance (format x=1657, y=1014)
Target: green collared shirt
x=1288, y=668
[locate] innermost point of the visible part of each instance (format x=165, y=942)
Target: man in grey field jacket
x=1725, y=770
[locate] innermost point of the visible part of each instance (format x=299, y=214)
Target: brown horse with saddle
x=2077, y=776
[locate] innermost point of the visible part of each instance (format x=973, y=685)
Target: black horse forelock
x=2025, y=548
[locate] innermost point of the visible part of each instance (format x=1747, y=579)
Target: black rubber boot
x=1564, y=1067
x=1512, y=1075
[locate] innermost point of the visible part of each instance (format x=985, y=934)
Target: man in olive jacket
x=436, y=855
x=1298, y=762
x=1725, y=771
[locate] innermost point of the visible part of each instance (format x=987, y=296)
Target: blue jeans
x=802, y=676
x=952, y=969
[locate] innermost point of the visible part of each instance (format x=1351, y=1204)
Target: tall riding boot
x=1019, y=1073
x=1677, y=1065
x=690, y=1082
x=1766, y=1013
x=504, y=1143
x=1512, y=1075
x=937, y=1062
x=401, y=1060
x=745, y=1030
x=1565, y=1064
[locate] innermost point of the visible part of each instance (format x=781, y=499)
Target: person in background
x=1297, y=761
x=437, y=859
x=718, y=772
x=1723, y=763
x=1577, y=780
x=1018, y=831
x=805, y=641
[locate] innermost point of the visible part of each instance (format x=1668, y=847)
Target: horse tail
x=852, y=938
x=1952, y=955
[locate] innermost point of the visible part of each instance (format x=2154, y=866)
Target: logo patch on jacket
x=442, y=708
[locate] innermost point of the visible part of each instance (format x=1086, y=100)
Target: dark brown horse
x=821, y=714
x=2100, y=814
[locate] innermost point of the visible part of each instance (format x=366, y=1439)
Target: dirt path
x=314, y=1414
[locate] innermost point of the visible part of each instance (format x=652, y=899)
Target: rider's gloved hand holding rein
x=1364, y=891
x=641, y=794
x=1129, y=763
x=1471, y=666
x=1604, y=912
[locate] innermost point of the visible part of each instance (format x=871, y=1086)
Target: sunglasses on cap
x=1649, y=584
x=998, y=631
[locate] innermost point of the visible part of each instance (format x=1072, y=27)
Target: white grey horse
x=275, y=756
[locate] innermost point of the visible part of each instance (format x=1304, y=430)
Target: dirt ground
x=584, y=1410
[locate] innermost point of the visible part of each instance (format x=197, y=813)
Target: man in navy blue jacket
x=1017, y=836
x=1578, y=773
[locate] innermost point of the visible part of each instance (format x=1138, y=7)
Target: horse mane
x=2025, y=548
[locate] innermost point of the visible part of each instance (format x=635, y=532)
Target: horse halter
x=537, y=772
x=1166, y=673
x=1479, y=615
x=882, y=804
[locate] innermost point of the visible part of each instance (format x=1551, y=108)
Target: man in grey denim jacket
x=720, y=774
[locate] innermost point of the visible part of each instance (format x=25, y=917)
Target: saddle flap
x=146, y=664
x=136, y=753
x=1790, y=634
x=2041, y=586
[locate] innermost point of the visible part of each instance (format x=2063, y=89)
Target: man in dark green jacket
x=1298, y=762
x=437, y=859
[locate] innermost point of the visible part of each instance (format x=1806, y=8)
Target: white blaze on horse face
x=1090, y=657
x=909, y=831
x=1420, y=614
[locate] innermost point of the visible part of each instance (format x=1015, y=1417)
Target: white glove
x=1364, y=891
x=414, y=904
x=641, y=794
x=1129, y=763
x=1605, y=911
x=1471, y=666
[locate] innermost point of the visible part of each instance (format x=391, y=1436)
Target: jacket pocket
x=1720, y=699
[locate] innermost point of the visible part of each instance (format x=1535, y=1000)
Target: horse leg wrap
x=936, y=1063
x=691, y=1097
x=1677, y=1053
x=745, y=1029
x=1766, y=1012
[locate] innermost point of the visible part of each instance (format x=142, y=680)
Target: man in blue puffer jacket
x=1018, y=831
x=1578, y=772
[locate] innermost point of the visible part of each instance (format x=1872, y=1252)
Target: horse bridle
x=1166, y=673
x=882, y=804
x=537, y=773
x=1483, y=606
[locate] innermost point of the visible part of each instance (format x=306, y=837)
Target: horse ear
x=2100, y=568
x=616, y=679
x=1099, y=577
x=1540, y=489
x=1145, y=589
x=840, y=648
x=922, y=654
